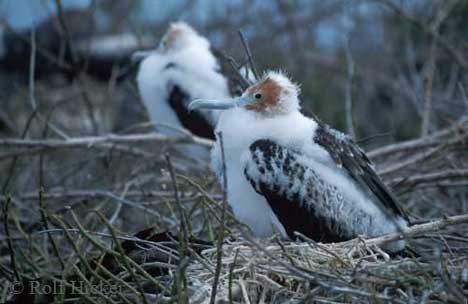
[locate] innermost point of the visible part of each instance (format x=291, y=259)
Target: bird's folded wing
x=290, y=186
x=348, y=156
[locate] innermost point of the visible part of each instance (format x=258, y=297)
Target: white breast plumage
x=287, y=172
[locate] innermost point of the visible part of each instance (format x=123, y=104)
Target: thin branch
x=10, y=245
x=414, y=159
x=349, y=90
x=429, y=80
x=32, y=86
x=115, y=198
x=183, y=238
x=75, y=60
x=219, y=245
x=91, y=141
x=50, y=56
x=394, y=167
x=430, y=177
x=452, y=50
x=434, y=139
x=12, y=167
x=45, y=224
x=121, y=251
x=315, y=277
x=97, y=193
x=65, y=31
x=183, y=221
x=464, y=97
x=243, y=81
x=249, y=54
x=417, y=230
x=32, y=66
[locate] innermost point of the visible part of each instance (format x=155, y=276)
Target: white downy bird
x=182, y=68
x=287, y=172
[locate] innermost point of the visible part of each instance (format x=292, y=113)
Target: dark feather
x=346, y=154
x=193, y=121
x=295, y=213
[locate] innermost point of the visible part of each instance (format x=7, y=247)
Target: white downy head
x=180, y=35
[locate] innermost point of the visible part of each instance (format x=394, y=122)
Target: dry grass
x=76, y=203
x=70, y=206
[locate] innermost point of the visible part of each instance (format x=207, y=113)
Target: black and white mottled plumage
x=300, y=198
x=287, y=172
x=278, y=174
x=349, y=156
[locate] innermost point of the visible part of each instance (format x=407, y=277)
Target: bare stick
x=219, y=245
x=431, y=177
x=430, y=141
x=418, y=230
x=65, y=31
x=32, y=86
x=12, y=167
x=422, y=155
x=464, y=96
x=117, y=198
x=45, y=224
x=122, y=254
x=32, y=65
x=10, y=245
x=244, y=82
x=183, y=222
x=42, y=51
x=410, y=160
x=181, y=279
x=98, y=140
x=100, y=193
x=249, y=54
x=84, y=93
x=349, y=91
x=429, y=80
x=313, y=276
x=452, y=50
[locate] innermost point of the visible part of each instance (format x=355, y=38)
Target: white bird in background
x=287, y=172
x=182, y=68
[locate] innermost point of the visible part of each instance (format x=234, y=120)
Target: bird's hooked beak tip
x=195, y=104
x=191, y=106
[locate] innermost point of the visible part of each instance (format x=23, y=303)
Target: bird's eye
x=258, y=96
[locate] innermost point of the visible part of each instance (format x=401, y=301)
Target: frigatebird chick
x=180, y=69
x=287, y=172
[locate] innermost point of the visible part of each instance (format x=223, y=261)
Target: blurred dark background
x=382, y=55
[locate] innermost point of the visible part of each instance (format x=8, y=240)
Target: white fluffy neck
x=241, y=127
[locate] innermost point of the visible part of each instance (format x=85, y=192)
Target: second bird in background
x=182, y=68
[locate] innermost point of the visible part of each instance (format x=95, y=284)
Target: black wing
x=346, y=154
x=277, y=173
x=193, y=121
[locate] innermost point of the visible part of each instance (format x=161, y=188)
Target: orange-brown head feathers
x=273, y=94
x=179, y=35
